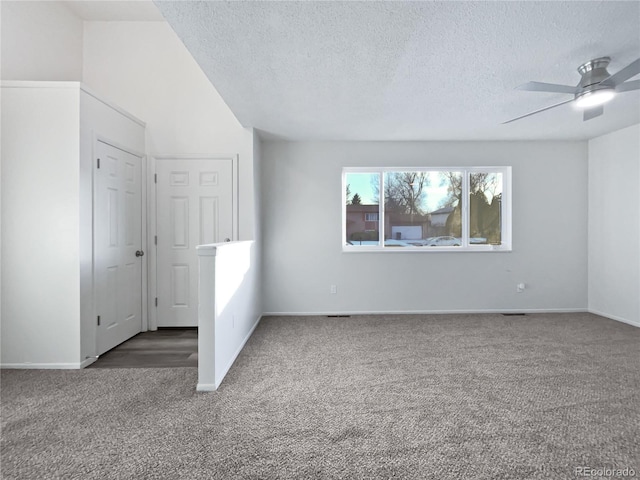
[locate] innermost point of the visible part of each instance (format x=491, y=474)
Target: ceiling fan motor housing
x=593, y=73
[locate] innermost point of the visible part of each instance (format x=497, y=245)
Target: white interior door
x=194, y=206
x=118, y=244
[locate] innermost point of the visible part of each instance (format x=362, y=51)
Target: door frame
x=152, y=199
x=144, y=323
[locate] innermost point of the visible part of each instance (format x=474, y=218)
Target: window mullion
x=381, y=218
x=344, y=208
x=505, y=208
x=465, y=209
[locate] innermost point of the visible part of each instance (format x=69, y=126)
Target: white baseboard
x=616, y=318
x=206, y=387
x=429, y=312
x=42, y=366
x=235, y=355
x=50, y=366
x=88, y=361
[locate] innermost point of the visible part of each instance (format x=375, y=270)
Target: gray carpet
x=429, y=397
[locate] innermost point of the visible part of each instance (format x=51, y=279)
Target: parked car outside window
x=444, y=241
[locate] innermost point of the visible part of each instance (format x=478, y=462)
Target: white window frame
x=371, y=213
x=506, y=212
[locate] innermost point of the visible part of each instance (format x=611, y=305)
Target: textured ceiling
x=408, y=70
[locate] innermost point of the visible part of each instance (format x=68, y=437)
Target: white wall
x=229, y=307
x=49, y=131
x=614, y=225
x=40, y=227
x=145, y=68
x=257, y=198
x=40, y=41
x=302, y=233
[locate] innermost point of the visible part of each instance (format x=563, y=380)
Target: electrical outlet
x=334, y=289
x=520, y=287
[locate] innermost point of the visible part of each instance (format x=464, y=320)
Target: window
x=427, y=209
x=362, y=209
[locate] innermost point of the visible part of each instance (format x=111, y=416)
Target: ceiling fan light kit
x=594, y=97
x=597, y=86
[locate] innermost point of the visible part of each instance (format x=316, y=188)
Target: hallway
x=163, y=348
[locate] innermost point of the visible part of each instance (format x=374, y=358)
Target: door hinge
x=98, y=320
x=156, y=301
x=155, y=240
x=155, y=178
x=98, y=163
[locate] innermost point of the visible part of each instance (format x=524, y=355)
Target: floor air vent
x=338, y=316
x=514, y=314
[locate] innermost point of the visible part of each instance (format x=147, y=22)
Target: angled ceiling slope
x=115, y=11
x=408, y=70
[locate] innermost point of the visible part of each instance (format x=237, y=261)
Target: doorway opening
x=167, y=347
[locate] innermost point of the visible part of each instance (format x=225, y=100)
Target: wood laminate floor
x=163, y=348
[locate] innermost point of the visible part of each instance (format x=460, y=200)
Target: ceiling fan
x=597, y=86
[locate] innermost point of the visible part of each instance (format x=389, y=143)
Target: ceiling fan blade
x=538, y=111
x=626, y=73
x=548, y=87
x=592, y=112
x=628, y=86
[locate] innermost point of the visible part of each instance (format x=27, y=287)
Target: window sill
x=425, y=249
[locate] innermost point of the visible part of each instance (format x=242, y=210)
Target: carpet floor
x=366, y=397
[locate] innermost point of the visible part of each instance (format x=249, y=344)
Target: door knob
x=139, y=253
x=227, y=239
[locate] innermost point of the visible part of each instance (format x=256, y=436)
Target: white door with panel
x=117, y=245
x=194, y=206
